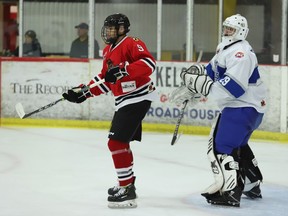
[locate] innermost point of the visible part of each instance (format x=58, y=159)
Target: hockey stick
x=175, y=134
x=20, y=110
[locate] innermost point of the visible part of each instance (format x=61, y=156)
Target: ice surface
x=66, y=172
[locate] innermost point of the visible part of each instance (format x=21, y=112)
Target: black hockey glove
x=78, y=94
x=115, y=73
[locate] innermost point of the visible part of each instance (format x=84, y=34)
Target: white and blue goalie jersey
x=237, y=82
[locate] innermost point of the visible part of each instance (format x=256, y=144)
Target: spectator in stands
x=79, y=47
x=10, y=35
x=31, y=46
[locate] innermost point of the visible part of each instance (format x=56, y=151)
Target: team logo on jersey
x=128, y=86
x=151, y=88
x=135, y=39
x=239, y=55
x=109, y=63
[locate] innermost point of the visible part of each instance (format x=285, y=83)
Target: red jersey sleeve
x=104, y=87
x=101, y=88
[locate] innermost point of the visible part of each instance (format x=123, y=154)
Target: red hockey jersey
x=140, y=64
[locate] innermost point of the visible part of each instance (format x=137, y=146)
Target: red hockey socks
x=123, y=161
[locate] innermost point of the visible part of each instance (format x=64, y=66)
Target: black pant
x=127, y=122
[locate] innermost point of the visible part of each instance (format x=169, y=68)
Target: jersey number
x=140, y=48
x=224, y=81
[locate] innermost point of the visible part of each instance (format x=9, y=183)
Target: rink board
x=36, y=83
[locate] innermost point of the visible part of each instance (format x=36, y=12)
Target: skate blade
x=226, y=204
x=124, y=204
x=252, y=196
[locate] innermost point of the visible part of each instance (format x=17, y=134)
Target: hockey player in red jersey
x=127, y=66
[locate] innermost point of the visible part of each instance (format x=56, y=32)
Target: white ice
x=66, y=172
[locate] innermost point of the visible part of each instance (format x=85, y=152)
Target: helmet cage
x=239, y=23
x=107, y=36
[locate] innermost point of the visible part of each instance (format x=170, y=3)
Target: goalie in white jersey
x=231, y=79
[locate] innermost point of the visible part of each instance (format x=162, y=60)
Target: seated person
x=31, y=46
x=79, y=47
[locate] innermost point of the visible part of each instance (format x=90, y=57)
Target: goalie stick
x=175, y=134
x=20, y=110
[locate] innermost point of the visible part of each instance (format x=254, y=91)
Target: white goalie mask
x=234, y=28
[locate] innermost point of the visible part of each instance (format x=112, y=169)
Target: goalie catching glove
x=196, y=80
x=78, y=94
x=182, y=94
x=116, y=73
x=197, y=69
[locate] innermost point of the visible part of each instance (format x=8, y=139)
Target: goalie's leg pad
x=230, y=193
x=255, y=192
x=250, y=165
x=229, y=168
x=215, y=165
x=216, y=170
x=250, y=173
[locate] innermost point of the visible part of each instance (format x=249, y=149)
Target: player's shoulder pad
x=136, y=39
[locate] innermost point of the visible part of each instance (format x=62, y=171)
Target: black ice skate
x=116, y=188
x=227, y=198
x=124, y=198
x=113, y=190
x=254, y=193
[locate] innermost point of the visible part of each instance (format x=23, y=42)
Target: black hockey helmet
x=115, y=20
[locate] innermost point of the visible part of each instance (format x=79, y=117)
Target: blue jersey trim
x=210, y=71
x=221, y=71
x=254, y=77
x=233, y=87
